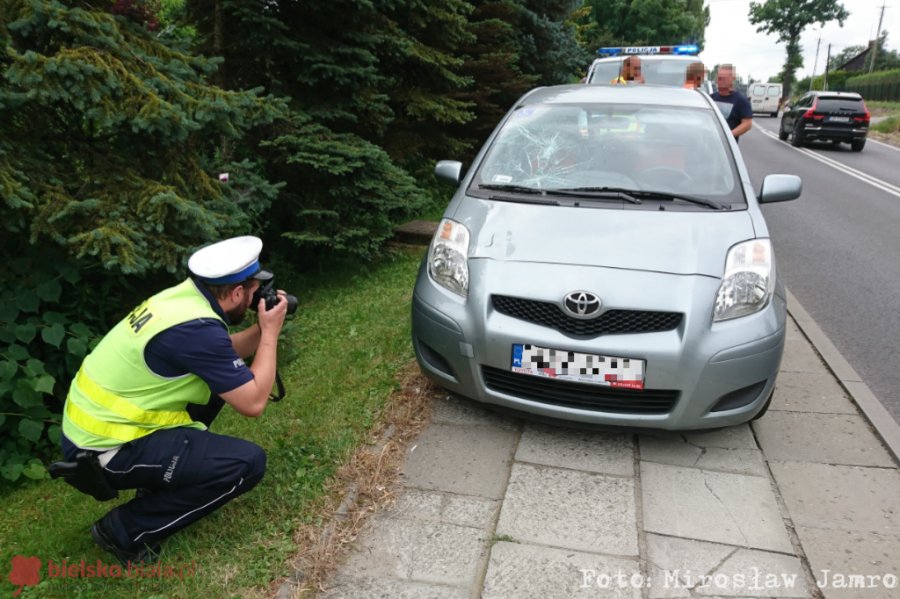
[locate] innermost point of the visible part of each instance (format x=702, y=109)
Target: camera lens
x=292, y=303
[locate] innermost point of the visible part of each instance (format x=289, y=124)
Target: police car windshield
x=664, y=149
x=656, y=70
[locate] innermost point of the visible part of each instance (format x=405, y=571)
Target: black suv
x=826, y=116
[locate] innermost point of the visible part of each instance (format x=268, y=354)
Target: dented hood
x=671, y=241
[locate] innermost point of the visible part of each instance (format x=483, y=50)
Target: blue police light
x=685, y=49
x=689, y=49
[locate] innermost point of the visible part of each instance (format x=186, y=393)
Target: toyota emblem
x=582, y=304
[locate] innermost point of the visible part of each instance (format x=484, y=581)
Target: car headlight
x=749, y=280
x=447, y=257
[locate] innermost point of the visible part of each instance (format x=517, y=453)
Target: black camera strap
x=279, y=395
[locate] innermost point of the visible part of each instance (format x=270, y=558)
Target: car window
x=665, y=72
x=839, y=104
x=604, y=72
x=759, y=90
x=660, y=148
x=656, y=71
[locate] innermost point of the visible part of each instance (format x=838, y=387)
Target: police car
x=660, y=65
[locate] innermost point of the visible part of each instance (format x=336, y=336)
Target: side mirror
x=449, y=171
x=780, y=188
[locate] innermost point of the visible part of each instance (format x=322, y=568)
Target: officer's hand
x=272, y=320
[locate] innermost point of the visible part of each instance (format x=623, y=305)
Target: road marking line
x=873, y=181
x=841, y=165
x=881, y=143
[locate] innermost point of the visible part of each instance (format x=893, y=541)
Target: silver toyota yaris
x=605, y=260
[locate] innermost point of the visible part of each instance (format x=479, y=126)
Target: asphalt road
x=838, y=246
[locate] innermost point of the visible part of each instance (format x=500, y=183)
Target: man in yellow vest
x=144, y=397
x=630, y=71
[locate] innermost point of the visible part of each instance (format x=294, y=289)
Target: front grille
x=579, y=395
x=611, y=321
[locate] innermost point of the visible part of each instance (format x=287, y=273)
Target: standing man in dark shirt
x=734, y=106
x=144, y=398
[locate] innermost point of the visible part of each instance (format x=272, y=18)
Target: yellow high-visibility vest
x=115, y=397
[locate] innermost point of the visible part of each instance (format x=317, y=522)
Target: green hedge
x=883, y=85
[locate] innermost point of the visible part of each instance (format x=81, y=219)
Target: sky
x=730, y=37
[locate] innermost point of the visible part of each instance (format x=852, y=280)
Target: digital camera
x=268, y=293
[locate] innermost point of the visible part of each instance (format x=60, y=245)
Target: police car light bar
x=685, y=49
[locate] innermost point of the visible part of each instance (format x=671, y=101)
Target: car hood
x=694, y=242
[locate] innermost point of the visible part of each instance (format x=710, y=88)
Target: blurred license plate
x=840, y=119
x=610, y=371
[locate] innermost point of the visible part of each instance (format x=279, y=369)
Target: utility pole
x=877, y=37
x=827, y=60
x=816, y=61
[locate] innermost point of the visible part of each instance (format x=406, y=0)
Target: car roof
x=843, y=95
x=616, y=94
x=675, y=57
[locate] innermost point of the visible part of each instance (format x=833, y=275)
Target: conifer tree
x=107, y=141
x=109, y=164
x=492, y=62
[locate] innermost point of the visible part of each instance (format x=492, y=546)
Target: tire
x=857, y=145
x=796, y=137
x=782, y=134
x=765, y=407
x=774, y=115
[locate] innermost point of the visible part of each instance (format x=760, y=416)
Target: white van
x=765, y=97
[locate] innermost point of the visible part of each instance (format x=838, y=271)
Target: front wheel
x=857, y=145
x=765, y=407
x=782, y=134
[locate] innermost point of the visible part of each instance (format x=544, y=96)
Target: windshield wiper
x=638, y=193
x=611, y=193
x=521, y=200
x=509, y=187
x=666, y=195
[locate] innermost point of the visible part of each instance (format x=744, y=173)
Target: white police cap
x=229, y=261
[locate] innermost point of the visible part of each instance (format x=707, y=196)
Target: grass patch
x=889, y=125
x=495, y=538
x=878, y=108
x=339, y=357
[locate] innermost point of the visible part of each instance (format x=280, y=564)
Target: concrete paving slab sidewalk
x=804, y=502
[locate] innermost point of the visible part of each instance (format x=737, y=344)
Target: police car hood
x=684, y=243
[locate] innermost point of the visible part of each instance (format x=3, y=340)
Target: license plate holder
x=576, y=367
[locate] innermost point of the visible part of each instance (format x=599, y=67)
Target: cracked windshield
x=627, y=147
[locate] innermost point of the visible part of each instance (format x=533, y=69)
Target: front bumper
x=716, y=374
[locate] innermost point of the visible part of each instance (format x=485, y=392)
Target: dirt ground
x=888, y=138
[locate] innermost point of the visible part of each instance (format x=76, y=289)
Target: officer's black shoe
x=104, y=538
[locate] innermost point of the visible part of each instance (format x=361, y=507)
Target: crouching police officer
x=143, y=399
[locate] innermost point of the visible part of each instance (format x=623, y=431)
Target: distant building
x=858, y=62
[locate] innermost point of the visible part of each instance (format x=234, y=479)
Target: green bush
x=882, y=85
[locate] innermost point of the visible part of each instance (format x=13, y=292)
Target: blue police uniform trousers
x=184, y=473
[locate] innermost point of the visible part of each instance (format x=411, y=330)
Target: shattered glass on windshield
x=632, y=147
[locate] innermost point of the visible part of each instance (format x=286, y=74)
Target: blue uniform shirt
x=201, y=346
